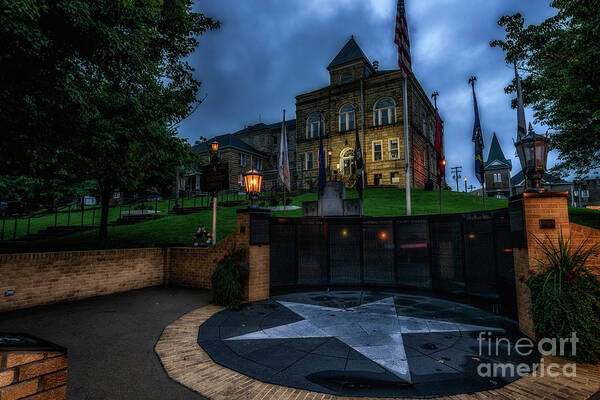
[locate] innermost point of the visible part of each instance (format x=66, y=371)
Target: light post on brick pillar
x=253, y=233
x=534, y=215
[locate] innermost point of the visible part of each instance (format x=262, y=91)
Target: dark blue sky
x=269, y=51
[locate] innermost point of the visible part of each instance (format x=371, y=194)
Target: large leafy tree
x=559, y=58
x=123, y=84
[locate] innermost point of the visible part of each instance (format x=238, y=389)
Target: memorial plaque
x=259, y=228
x=215, y=178
x=547, y=224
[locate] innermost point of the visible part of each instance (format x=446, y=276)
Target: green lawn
x=178, y=229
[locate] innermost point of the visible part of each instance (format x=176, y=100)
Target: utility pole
x=456, y=175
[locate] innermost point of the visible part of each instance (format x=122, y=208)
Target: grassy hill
x=178, y=229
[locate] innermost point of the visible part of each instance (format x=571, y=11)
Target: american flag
x=401, y=39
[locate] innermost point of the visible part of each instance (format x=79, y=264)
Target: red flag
x=439, y=146
x=401, y=39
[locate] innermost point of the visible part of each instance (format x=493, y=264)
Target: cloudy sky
x=269, y=51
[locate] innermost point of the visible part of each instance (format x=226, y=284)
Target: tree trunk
x=105, y=196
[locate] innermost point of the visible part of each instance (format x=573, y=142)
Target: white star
x=373, y=329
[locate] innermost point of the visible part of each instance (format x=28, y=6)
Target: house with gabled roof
x=497, y=171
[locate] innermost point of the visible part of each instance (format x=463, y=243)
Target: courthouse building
x=361, y=96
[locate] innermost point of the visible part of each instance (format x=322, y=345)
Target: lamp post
x=465, y=184
x=329, y=154
x=533, y=154
x=214, y=146
x=253, y=183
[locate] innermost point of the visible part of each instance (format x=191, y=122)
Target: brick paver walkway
x=186, y=362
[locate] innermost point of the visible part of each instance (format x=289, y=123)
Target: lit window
x=242, y=159
x=313, y=126
x=384, y=112
x=394, y=154
x=377, y=150
x=497, y=178
x=310, y=160
x=347, y=118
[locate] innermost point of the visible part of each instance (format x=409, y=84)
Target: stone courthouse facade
x=362, y=97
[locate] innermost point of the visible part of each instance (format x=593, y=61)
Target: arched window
x=384, y=112
x=314, y=126
x=347, y=118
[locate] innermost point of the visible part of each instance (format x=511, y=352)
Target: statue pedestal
x=332, y=203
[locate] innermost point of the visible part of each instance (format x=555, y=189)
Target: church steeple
x=496, y=158
x=349, y=64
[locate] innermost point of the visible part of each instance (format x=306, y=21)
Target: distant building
x=361, y=96
x=497, y=172
x=587, y=192
x=550, y=182
x=254, y=147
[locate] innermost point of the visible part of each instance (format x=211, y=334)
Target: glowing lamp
x=214, y=146
x=253, y=184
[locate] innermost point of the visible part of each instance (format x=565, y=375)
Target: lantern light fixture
x=532, y=150
x=253, y=184
x=214, y=146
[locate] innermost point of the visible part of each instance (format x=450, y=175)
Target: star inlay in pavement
x=373, y=329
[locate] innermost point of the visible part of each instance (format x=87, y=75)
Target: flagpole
x=283, y=130
x=406, y=146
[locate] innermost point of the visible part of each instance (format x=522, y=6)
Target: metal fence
x=467, y=257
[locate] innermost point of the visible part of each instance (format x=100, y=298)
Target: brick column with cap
x=253, y=233
x=533, y=217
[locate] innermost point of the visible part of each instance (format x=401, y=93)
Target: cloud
x=269, y=51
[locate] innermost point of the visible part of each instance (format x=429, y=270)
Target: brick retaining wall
x=44, y=278
x=580, y=233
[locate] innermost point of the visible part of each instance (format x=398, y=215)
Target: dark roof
x=519, y=178
x=496, y=159
x=350, y=52
x=261, y=126
x=228, y=140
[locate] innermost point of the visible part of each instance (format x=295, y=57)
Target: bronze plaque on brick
x=547, y=224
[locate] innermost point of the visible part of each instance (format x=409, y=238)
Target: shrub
x=565, y=298
x=228, y=277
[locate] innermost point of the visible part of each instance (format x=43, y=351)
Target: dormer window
x=384, y=112
x=313, y=126
x=347, y=117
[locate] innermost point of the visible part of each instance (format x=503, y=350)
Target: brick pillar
x=256, y=221
x=32, y=367
x=534, y=215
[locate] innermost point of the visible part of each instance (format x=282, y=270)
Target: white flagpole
x=283, y=132
x=406, y=147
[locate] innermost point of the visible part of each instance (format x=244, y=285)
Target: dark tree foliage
x=560, y=61
x=96, y=88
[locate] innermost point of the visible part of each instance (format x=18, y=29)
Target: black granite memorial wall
x=466, y=257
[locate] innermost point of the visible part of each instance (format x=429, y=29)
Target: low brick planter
x=32, y=368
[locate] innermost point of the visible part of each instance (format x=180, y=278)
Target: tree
x=562, y=84
x=126, y=86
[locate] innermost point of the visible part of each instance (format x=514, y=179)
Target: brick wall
x=35, y=375
x=44, y=278
x=580, y=233
x=192, y=267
